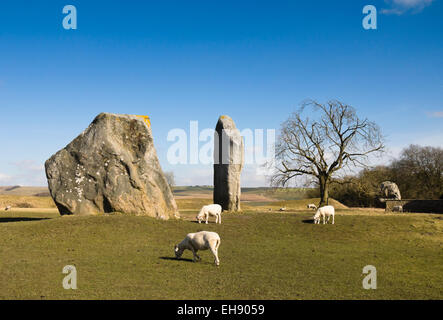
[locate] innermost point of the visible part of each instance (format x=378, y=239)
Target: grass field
x=17, y=201
x=264, y=255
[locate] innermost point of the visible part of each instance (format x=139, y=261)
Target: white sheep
x=324, y=211
x=202, y=240
x=8, y=208
x=282, y=209
x=397, y=209
x=312, y=206
x=210, y=210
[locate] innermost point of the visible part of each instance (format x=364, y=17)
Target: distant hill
x=24, y=191
x=272, y=198
x=247, y=193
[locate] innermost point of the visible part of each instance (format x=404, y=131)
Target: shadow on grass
x=175, y=259
x=20, y=219
x=203, y=223
x=311, y=221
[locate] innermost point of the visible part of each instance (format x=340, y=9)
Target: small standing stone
x=389, y=190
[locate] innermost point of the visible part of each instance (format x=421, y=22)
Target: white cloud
x=254, y=176
x=187, y=175
x=400, y=7
x=400, y=141
x=4, y=178
x=191, y=175
x=25, y=173
x=429, y=139
x=29, y=165
x=436, y=114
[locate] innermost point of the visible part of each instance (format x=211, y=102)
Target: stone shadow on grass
x=20, y=219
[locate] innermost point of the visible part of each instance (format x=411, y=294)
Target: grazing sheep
x=202, y=240
x=8, y=208
x=397, y=209
x=283, y=209
x=210, y=210
x=312, y=206
x=324, y=211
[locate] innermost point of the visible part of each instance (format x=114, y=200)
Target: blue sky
x=178, y=61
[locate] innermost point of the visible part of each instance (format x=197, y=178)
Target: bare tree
x=319, y=140
x=419, y=172
x=170, y=177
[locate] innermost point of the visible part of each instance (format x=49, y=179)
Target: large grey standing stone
x=228, y=164
x=389, y=190
x=111, y=167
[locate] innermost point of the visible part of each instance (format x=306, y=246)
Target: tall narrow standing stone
x=228, y=164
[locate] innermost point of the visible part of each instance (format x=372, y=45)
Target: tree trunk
x=324, y=190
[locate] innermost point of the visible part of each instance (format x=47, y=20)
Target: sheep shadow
x=20, y=219
x=310, y=221
x=175, y=259
x=203, y=223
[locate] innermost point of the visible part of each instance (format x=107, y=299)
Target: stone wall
x=412, y=205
